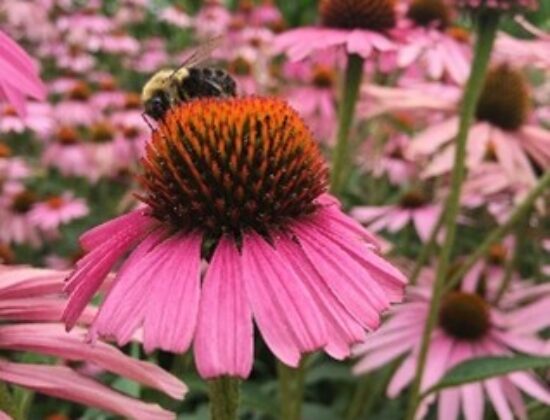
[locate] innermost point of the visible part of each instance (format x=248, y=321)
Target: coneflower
x=236, y=227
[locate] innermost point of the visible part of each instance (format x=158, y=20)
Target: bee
x=168, y=87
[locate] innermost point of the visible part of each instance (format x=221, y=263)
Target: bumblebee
x=169, y=87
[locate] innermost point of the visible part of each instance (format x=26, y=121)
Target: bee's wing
x=202, y=53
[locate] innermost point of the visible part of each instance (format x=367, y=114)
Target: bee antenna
x=144, y=116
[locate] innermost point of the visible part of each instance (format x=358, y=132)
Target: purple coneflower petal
x=63, y=382
x=342, y=328
x=224, y=339
x=153, y=271
x=282, y=306
x=53, y=340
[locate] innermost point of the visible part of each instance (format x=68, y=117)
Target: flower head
x=360, y=26
x=236, y=186
x=374, y=15
x=471, y=324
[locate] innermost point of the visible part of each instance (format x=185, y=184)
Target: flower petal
x=224, y=339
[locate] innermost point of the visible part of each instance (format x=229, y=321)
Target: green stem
x=350, y=93
x=427, y=249
x=291, y=389
x=7, y=403
x=486, y=28
x=224, y=398
x=499, y=233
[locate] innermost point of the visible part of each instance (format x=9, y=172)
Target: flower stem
x=224, y=398
x=427, y=249
x=291, y=389
x=499, y=233
x=486, y=28
x=350, y=93
x=7, y=403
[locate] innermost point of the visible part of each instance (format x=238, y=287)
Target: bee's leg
x=144, y=116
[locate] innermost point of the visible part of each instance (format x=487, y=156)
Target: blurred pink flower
x=390, y=160
x=414, y=208
x=489, y=184
x=470, y=326
x=316, y=101
x=503, y=131
x=19, y=75
x=31, y=303
x=15, y=223
x=357, y=27
x=427, y=36
x=48, y=215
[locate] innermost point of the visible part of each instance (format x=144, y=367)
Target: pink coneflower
x=470, y=325
x=414, y=207
x=15, y=224
x=358, y=26
x=174, y=15
x=30, y=307
x=251, y=208
x=48, y=215
x=316, y=102
x=11, y=168
x=19, y=75
x=489, y=185
x=76, y=108
x=428, y=37
x=67, y=152
x=389, y=159
x=502, y=132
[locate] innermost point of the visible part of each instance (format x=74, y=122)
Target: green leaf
x=486, y=367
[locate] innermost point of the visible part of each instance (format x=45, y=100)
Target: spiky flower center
x=132, y=100
x=464, y=316
x=505, y=99
x=413, y=199
x=108, y=84
x=130, y=132
x=101, y=132
x=5, y=151
x=80, y=92
x=373, y=15
x=323, y=76
x=23, y=202
x=9, y=111
x=7, y=256
x=232, y=165
x=67, y=136
x=55, y=202
x=497, y=254
x=430, y=13
x=459, y=34
x=240, y=66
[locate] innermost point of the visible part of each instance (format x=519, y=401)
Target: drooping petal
x=282, y=306
x=93, y=268
x=342, y=329
x=224, y=339
x=62, y=382
x=158, y=287
x=53, y=340
x=498, y=398
x=173, y=304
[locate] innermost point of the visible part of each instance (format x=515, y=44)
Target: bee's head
x=156, y=94
x=157, y=105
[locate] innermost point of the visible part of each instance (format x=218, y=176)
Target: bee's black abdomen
x=204, y=82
